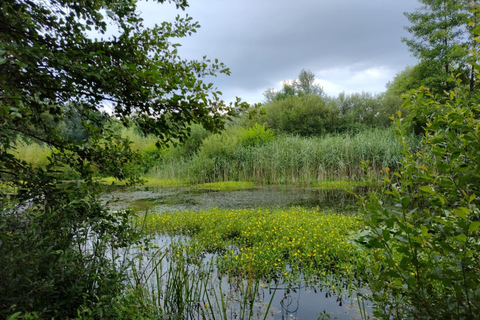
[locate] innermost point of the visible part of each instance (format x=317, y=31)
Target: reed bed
x=291, y=160
x=178, y=282
x=32, y=153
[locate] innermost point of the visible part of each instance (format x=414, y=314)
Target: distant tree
x=361, y=110
x=304, y=85
x=300, y=115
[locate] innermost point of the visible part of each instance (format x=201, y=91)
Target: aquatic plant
x=282, y=244
x=287, y=159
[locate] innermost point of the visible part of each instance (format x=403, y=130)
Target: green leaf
x=461, y=212
x=462, y=238
x=424, y=230
x=472, y=197
x=426, y=189
x=474, y=226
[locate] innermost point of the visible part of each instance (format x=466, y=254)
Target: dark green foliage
x=55, y=80
x=439, y=28
x=314, y=115
x=55, y=257
x=305, y=116
x=425, y=224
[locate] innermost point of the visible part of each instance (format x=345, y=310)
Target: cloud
x=351, y=45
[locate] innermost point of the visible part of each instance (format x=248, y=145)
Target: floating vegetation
x=349, y=186
x=226, y=186
x=287, y=245
x=146, y=182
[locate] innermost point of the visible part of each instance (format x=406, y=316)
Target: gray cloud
x=265, y=42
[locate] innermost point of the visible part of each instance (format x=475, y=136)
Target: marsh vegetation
x=229, y=211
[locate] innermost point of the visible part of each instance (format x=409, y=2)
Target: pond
x=287, y=302
x=195, y=199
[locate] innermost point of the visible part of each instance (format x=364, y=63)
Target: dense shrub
x=255, y=136
x=425, y=224
x=52, y=270
x=302, y=115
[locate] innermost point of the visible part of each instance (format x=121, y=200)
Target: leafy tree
x=300, y=115
x=425, y=224
x=438, y=28
x=304, y=85
x=51, y=68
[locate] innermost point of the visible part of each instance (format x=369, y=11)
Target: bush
x=425, y=224
x=300, y=115
x=256, y=135
x=50, y=269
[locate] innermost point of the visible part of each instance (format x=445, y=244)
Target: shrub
x=256, y=135
x=425, y=225
x=301, y=115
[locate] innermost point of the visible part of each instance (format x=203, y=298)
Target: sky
x=350, y=45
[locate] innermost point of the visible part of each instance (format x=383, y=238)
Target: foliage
x=255, y=136
x=42, y=261
x=313, y=115
x=221, y=145
x=439, y=27
x=426, y=223
x=303, y=86
x=52, y=73
x=302, y=115
x=363, y=110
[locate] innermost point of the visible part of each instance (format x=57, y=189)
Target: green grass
x=32, y=153
x=281, y=244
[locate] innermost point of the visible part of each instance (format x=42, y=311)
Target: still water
x=193, y=199
x=299, y=302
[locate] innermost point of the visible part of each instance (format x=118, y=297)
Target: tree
x=438, y=29
x=300, y=115
x=306, y=83
x=425, y=222
x=50, y=68
x=303, y=86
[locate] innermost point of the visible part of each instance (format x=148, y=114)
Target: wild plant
x=424, y=224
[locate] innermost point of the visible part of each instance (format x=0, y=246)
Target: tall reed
x=290, y=159
x=33, y=153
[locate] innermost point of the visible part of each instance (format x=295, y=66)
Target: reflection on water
x=181, y=199
x=287, y=302
x=313, y=303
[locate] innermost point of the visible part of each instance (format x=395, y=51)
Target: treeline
x=299, y=136
x=302, y=108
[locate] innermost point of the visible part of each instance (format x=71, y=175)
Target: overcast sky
x=350, y=45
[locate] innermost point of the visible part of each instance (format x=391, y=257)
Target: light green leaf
x=472, y=197
x=461, y=212
x=426, y=189
x=424, y=230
